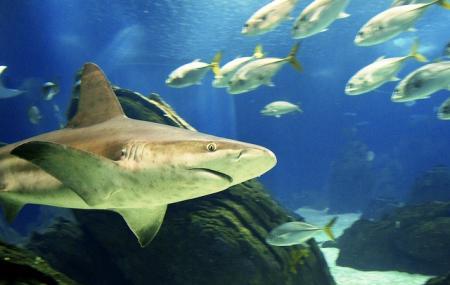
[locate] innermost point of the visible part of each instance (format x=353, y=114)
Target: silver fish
x=293, y=233
x=268, y=17
x=49, y=90
x=192, y=73
x=34, y=115
x=6, y=92
x=392, y=22
x=279, y=108
x=423, y=82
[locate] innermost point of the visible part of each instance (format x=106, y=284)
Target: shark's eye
x=211, y=147
x=123, y=152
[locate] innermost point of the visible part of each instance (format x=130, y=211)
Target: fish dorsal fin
x=98, y=103
x=380, y=58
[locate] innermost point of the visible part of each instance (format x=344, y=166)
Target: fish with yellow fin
x=193, y=73
x=229, y=69
x=293, y=233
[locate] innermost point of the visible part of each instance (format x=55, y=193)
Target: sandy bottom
x=347, y=275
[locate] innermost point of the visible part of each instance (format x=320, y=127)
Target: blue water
x=138, y=43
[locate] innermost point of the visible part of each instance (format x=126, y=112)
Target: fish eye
x=417, y=84
x=246, y=25
x=350, y=85
x=211, y=147
x=296, y=27
x=361, y=33
x=380, y=28
x=263, y=18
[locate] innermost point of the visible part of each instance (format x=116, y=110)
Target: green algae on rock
x=19, y=266
x=414, y=239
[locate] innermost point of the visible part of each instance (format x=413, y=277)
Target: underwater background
x=138, y=43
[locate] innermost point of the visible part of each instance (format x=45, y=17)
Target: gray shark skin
x=6, y=92
x=104, y=160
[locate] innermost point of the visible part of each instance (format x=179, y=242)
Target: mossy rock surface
x=19, y=266
x=413, y=239
x=433, y=185
x=214, y=240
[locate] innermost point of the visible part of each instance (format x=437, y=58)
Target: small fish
x=392, y=22
x=6, y=92
x=423, y=82
x=229, y=69
x=192, y=73
x=370, y=156
x=268, y=17
x=444, y=110
x=49, y=90
x=279, y=108
x=379, y=72
x=260, y=72
x=317, y=16
x=293, y=233
x=59, y=116
x=34, y=115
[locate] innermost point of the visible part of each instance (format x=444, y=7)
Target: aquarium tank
x=284, y=142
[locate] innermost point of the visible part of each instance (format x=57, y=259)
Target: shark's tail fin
x=258, y=52
x=292, y=57
x=415, y=53
x=215, y=65
x=327, y=228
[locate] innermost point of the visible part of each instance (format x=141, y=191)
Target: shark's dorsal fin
x=97, y=103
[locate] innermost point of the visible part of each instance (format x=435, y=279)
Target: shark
x=104, y=160
x=6, y=92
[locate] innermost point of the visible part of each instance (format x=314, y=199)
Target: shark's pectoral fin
x=144, y=223
x=10, y=208
x=87, y=174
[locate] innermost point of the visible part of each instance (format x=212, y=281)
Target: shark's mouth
x=216, y=173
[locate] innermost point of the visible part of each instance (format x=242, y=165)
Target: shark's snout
x=251, y=163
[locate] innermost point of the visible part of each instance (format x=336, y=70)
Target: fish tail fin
x=292, y=57
x=444, y=4
x=415, y=53
x=327, y=228
x=258, y=52
x=215, y=65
